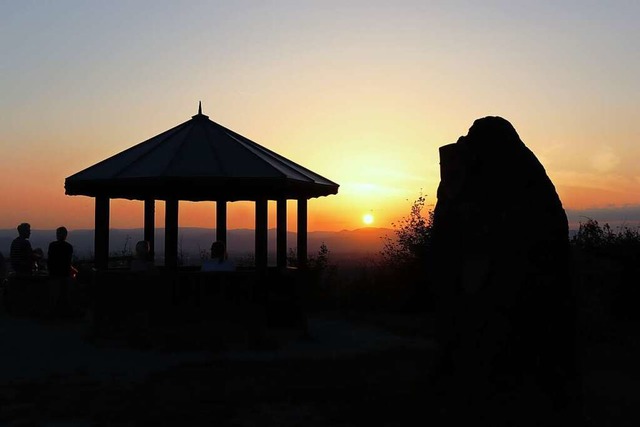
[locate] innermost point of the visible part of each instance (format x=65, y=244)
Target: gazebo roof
x=199, y=160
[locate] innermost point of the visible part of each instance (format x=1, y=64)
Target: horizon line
x=205, y=228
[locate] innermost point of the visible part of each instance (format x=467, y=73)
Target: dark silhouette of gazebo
x=200, y=160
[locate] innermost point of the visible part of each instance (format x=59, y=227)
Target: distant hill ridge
x=193, y=240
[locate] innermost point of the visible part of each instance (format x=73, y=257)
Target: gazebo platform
x=181, y=308
x=184, y=307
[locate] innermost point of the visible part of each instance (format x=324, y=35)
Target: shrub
x=622, y=244
x=412, y=241
x=607, y=268
x=403, y=274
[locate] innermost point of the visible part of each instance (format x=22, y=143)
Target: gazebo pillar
x=171, y=234
x=302, y=233
x=261, y=234
x=281, y=230
x=150, y=225
x=101, y=237
x=221, y=220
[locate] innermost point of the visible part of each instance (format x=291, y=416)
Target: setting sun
x=367, y=219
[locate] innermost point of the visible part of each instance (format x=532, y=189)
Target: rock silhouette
x=500, y=238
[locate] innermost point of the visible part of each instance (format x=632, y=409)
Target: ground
x=352, y=370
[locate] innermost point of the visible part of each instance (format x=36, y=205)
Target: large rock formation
x=501, y=247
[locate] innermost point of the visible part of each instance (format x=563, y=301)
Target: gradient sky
x=362, y=92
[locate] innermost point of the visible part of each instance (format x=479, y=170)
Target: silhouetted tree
x=404, y=279
x=412, y=241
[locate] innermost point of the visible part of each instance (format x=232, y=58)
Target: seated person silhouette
x=59, y=255
x=21, y=253
x=39, y=263
x=219, y=260
x=142, y=258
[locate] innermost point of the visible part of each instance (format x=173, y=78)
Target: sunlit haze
x=361, y=92
x=368, y=219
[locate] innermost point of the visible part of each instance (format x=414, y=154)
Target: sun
x=367, y=219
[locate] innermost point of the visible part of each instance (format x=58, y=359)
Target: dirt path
x=52, y=374
x=356, y=372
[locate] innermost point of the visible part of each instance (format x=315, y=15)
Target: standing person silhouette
x=59, y=265
x=3, y=267
x=59, y=255
x=21, y=253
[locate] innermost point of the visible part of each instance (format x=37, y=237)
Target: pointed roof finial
x=199, y=115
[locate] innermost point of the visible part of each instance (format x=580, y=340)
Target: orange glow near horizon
x=333, y=213
x=387, y=182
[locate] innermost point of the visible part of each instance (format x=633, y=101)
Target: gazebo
x=200, y=160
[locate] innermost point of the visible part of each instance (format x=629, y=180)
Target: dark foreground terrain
x=364, y=370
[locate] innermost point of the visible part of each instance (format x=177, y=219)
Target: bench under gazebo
x=200, y=160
